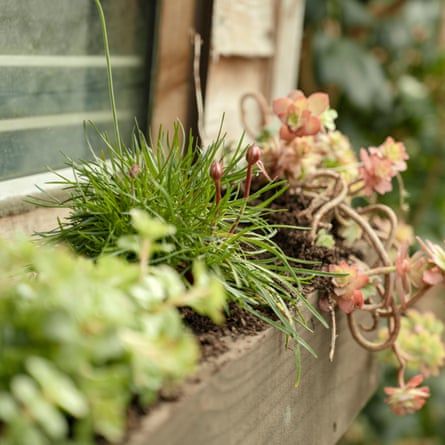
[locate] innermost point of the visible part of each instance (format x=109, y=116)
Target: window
x=53, y=77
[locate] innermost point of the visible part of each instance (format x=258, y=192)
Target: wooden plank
x=251, y=399
x=289, y=31
x=229, y=78
x=243, y=28
x=31, y=221
x=278, y=26
x=173, y=80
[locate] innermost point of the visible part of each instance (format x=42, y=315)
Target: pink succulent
x=435, y=270
x=347, y=289
x=300, y=115
x=394, y=151
x=408, y=398
x=377, y=172
x=409, y=271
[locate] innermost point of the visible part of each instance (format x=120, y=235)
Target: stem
x=381, y=270
x=416, y=297
x=197, y=43
x=389, y=214
x=218, y=193
x=109, y=74
x=376, y=244
x=401, y=370
x=330, y=204
x=334, y=329
x=359, y=189
x=247, y=186
x=263, y=108
x=372, y=346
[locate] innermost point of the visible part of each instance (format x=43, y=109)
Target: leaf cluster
x=81, y=340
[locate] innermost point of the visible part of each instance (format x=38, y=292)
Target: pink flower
x=409, y=271
x=376, y=172
x=409, y=398
x=300, y=115
x=394, y=151
x=347, y=289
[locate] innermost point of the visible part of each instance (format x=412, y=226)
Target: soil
x=238, y=322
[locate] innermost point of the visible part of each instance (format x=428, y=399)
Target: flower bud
x=253, y=154
x=134, y=171
x=216, y=170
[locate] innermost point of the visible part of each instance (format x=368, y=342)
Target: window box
x=247, y=394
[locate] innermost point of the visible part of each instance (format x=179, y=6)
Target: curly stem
x=389, y=214
x=402, y=365
x=370, y=345
x=333, y=202
x=263, y=107
x=376, y=243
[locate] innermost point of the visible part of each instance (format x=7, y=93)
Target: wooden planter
x=247, y=395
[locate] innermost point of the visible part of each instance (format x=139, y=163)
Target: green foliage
x=420, y=342
x=81, y=340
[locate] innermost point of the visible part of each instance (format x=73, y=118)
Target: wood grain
x=251, y=399
x=172, y=87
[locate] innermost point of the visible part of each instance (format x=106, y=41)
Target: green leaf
x=346, y=63
x=107, y=395
x=8, y=407
x=150, y=228
x=45, y=414
x=351, y=232
x=57, y=387
x=325, y=239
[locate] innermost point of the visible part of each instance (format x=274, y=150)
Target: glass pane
x=53, y=77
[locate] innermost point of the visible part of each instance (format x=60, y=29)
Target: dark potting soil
x=238, y=322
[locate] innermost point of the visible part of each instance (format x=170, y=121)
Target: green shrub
x=81, y=340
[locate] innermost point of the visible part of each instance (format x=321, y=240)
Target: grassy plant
x=172, y=182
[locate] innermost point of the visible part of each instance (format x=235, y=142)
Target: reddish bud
x=216, y=170
x=253, y=154
x=134, y=171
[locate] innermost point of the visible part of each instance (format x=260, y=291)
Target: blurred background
x=383, y=65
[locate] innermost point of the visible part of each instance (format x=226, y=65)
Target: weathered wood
x=290, y=15
x=251, y=399
x=31, y=221
x=256, y=47
x=172, y=87
x=229, y=78
x=243, y=28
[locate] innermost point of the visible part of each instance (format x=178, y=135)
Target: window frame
x=172, y=93
x=16, y=212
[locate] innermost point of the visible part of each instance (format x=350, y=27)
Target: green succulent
x=82, y=339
